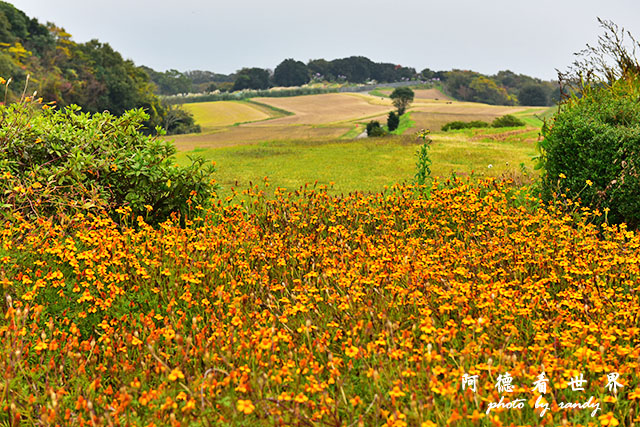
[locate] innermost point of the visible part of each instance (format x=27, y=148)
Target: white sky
x=530, y=37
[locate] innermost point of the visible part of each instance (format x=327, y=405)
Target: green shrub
x=455, y=125
x=393, y=121
x=374, y=129
x=64, y=161
x=478, y=124
x=591, y=150
x=507, y=121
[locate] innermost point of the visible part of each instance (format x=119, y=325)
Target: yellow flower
x=589, y=182
x=176, y=374
x=396, y=392
x=562, y=176
x=41, y=346
x=608, y=420
x=245, y=406
x=351, y=351
x=301, y=398
x=635, y=394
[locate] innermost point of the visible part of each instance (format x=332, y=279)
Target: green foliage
x=62, y=161
x=504, y=88
x=291, y=73
x=393, y=120
x=91, y=74
x=402, y=97
x=533, y=94
x=477, y=124
x=358, y=69
x=423, y=166
x=483, y=89
x=507, y=120
x=251, y=78
x=374, y=129
x=456, y=125
x=591, y=150
x=170, y=82
x=178, y=121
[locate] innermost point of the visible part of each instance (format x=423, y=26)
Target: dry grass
x=324, y=109
x=321, y=117
x=245, y=134
x=430, y=94
x=213, y=115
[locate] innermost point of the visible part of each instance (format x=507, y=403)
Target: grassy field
x=366, y=164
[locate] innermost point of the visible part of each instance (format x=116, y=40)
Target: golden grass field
x=213, y=115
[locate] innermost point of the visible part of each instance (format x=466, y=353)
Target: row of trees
x=504, y=88
x=355, y=69
x=91, y=75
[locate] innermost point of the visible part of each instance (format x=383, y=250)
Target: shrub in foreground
x=591, y=150
x=64, y=161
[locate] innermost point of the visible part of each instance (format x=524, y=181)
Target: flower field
x=311, y=309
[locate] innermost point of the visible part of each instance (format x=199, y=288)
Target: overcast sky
x=530, y=37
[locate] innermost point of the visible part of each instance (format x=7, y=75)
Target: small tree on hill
x=393, y=121
x=402, y=97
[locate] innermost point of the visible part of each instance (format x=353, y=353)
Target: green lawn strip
x=405, y=123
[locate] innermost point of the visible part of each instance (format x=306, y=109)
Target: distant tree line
x=91, y=75
x=504, y=88
x=289, y=73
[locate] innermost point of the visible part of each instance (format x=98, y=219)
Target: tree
x=533, y=94
x=320, y=68
x=251, y=78
x=402, y=97
x=486, y=90
x=291, y=73
x=427, y=74
x=393, y=121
